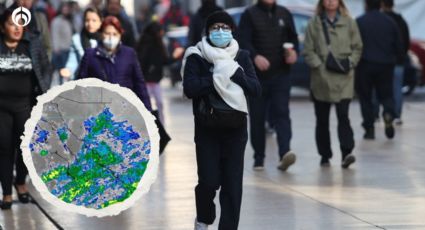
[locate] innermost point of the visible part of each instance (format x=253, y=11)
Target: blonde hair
x=343, y=10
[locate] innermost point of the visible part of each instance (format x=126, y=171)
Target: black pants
x=14, y=112
x=220, y=159
x=378, y=77
x=345, y=132
x=274, y=100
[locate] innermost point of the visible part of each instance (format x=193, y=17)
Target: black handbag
x=333, y=64
x=214, y=112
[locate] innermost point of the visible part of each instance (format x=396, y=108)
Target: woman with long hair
x=25, y=72
x=114, y=62
x=332, y=25
x=151, y=42
x=88, y=38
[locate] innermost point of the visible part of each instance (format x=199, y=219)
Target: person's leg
x=233, y=149
x=257, y=115
x=279, y=96
x=398, y=90
x=6, y=152
x=385, y=89
x=156, y=93
x=376, y=105
x=21, y=118
x=323, y=136
x=345, y=132
x=208, y=162
x=364, y=89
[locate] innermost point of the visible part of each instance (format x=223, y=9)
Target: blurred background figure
x=114, y=62
x=332, y=17
x=382, y=49
x=197, y=22
x=144, y=18
x=87, y=38
x=98, y=4
x=25, y=73
x=46, y=7
x=38, y=25
x=387, y=7
x=114, y=8
x=77, y=15
x=151, y=42
x=174, y=17
x=62, y=31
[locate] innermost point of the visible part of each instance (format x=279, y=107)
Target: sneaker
x=287, y=160
x=200, y=225
x=369, y=134
x=348, y=160
x=389, y=127
x=259, y=165
x=324, y=162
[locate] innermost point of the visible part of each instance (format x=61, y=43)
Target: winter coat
x=346, y=42
x=122, y=68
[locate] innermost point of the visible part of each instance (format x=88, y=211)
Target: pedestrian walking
x=382, y=48
x=332, y=34
x=264, y=29
x=217, y=76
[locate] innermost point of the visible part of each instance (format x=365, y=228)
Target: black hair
x=5, y=16
x=151, y=37
x=388, y=3
x=373, y=4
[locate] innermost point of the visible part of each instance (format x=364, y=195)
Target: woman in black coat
x=25, y=72
x=216, y=67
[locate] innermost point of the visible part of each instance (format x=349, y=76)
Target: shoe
x=389, y=127
x=22, y=197
x=348, y=160
x=200, y=226
x=287, y=160
x=324, y=162
x=6, y=205
x=369, y=134
x=259, y=165
x=398, y=121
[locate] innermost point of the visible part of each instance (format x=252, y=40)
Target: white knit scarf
x=225, y=67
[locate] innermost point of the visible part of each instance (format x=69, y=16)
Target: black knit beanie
x=219, y=17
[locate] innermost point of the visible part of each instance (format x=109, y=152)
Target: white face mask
x=111, y=42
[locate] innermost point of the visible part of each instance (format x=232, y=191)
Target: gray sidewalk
x=385, y=189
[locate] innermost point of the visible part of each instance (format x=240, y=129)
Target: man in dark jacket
x=197, y=22
x=113, y=8
x=263, y=30
x=382, y=49
x=387, y=7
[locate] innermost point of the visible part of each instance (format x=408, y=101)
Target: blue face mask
x=221, y=38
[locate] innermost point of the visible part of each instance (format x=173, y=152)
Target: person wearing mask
x=114, y=62
x=382, y=48
x=329, y=87
x=197, y=22
x=388, y=8
x=25, y=73
x=153, y=65
x=263, y=30
x=62, y=31
x=217, y=68
x=38, y=25
x=114, y=8
x=88, y=38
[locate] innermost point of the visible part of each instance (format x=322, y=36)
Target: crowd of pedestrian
x=238, y=76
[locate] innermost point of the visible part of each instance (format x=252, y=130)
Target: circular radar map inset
x=91, y=147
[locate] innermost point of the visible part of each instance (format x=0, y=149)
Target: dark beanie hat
x=219, y=17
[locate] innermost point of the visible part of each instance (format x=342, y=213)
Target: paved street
x=385, y=189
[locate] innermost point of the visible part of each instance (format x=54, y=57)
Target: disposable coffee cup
x=287, y=46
